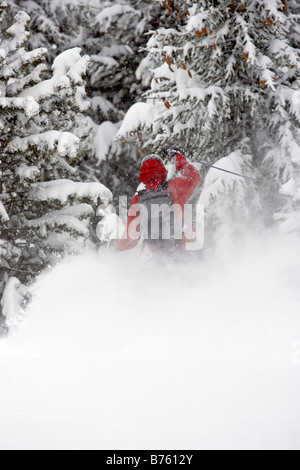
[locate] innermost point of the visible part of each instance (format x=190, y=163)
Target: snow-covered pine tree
x=222, y=88
x=114, y=58
x=45, y=212
x=100, y=29
x=289, y=217
x=58, y=25
x=115, y=84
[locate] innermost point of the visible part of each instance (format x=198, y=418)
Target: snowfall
x=117, y=353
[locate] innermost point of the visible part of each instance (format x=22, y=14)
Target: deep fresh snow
x=114, y=354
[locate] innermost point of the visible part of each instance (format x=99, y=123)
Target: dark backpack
x=158, y=220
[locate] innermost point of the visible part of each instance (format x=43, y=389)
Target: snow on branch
x=27, y=104
x=197, y=22
x=65, y=190
x=139, y=115
x=57, y=222
x=292, y=187
x=21, y=58
x=80, y=211
x=104, y=139
x=66, y=143
x=63, y=243
x=3, y=214
x=68, y=68
x=80, y=99
x=18, y=32
x=14, y=86
x=111, y=15
x=29, y=173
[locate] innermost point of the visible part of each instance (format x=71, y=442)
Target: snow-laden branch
x=27, y=104
x=18, y=33
x=64, y=190
x=68, y=68
x=111, y=15
x=57, y=222
x=66, y=143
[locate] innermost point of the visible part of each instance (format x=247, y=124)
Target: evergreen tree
x=222, y=87
x=45, y=212
x=114, y=85
x=58, y=25
x=100, y=29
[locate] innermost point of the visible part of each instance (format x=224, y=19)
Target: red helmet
x=153, y=170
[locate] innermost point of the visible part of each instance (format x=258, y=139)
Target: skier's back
x=153, y=176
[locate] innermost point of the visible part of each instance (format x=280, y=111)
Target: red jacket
x=153, y=174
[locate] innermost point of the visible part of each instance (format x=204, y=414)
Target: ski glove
x=171, y=152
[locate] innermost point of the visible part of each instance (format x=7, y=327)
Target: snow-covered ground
x=114, y=354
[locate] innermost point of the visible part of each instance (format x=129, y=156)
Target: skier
x=158, y=191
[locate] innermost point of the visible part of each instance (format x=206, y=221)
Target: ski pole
x=226, y=171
